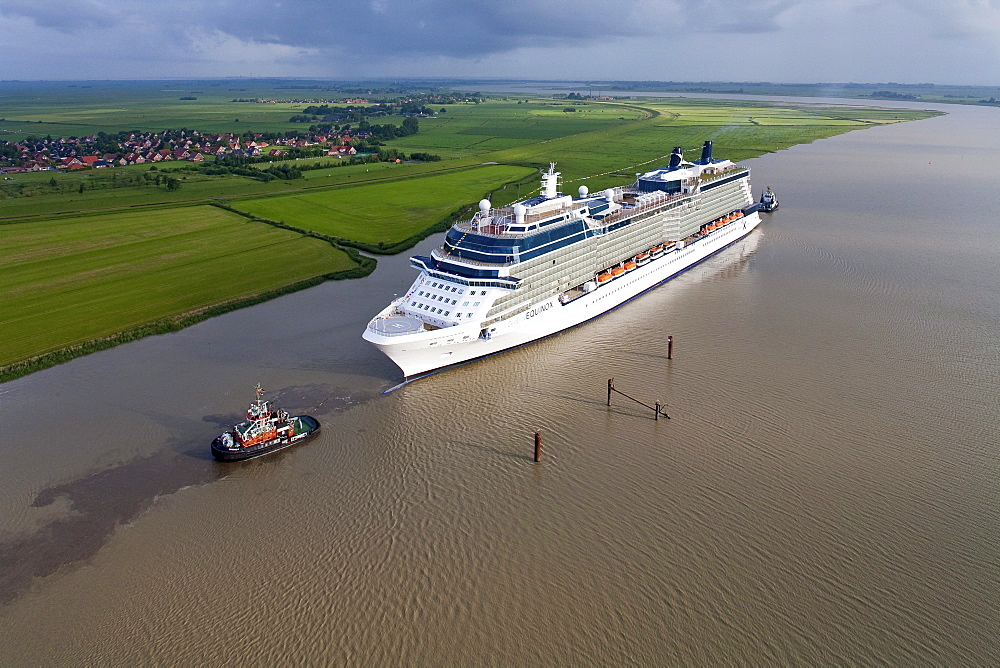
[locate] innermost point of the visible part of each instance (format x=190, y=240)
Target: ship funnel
x=675, y=158
x=706, y=153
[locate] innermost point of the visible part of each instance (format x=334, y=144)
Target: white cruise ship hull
x=424, y=351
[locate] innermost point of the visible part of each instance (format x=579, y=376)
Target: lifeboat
x=656, y=251
x=604, y=278
x=630, y=265
x=642, y=258
x=617, y=271
x=738, y=214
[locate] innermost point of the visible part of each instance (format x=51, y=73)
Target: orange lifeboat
x=656, y=251
x=603, y=278
x=617, y=271
x=642, y=258
x=630, y=265
x=738, y=214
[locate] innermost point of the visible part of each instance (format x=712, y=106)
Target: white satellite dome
x=519, y=211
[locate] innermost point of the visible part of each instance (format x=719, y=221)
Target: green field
x=606, y=156
x=71, y=280
x=373, y=214
x=85, y=270
x=78, y=108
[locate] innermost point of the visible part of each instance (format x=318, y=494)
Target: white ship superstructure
x=514, y=274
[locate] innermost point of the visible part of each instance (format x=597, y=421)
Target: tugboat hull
x=237, y=452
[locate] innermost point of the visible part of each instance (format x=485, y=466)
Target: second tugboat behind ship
x=768, y=200
x=266, y=430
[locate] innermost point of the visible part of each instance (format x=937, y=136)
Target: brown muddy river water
x=826, y=492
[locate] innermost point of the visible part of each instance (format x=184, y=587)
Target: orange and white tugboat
x=266, y=430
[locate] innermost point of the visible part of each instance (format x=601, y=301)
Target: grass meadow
x=376, y=213
x=69, y=280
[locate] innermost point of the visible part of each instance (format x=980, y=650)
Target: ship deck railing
x=496, y=223
x=705, y=179
x=630, y=210
x=425, y=326
x=452, y=257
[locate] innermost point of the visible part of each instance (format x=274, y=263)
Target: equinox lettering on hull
x=538, y=309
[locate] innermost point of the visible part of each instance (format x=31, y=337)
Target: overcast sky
x=907, y=41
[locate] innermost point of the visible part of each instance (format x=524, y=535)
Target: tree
x=410, y=126
x=53, y=182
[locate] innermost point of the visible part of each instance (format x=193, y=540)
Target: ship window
x=476, y=304
x=465, y=303
x=447, y=312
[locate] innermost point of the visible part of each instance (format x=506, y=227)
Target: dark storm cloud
x=471, y=28
x=781, y=40
x=67, y=17
x=446, y=28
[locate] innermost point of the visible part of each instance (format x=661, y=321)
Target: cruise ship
x=517, y=273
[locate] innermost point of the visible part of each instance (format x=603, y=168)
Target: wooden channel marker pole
x=538, y=447
x=611, y=388
x=670, y=347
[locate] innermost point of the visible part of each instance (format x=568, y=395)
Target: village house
x=342, y=150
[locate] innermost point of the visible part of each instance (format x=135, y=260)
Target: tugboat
x=768, y=201
x=266, y=430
